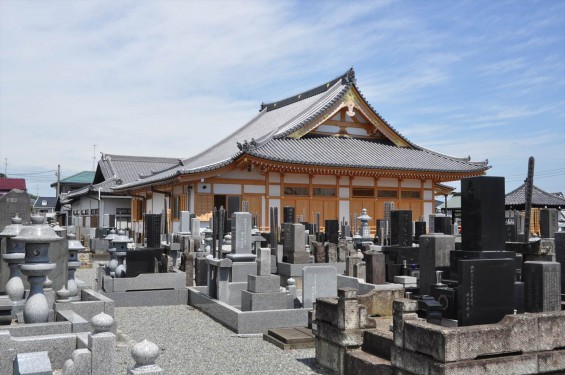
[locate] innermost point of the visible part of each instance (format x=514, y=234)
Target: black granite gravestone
x=288, y=214
x=511, y=233
x=457, y=255
x=401, y=228
x=419, y=230
x=142, y=261
x=482, y=213
x=442, y=224
x=153, y=230
x=332, y=231
x=485, y=290
x=560, y=257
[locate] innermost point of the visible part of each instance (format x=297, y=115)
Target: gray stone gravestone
x=295, y=239
x=241, y=243
x=184, y=226
x=434, y=256
x=549, y=222
x=318, y=282
x=542, y=287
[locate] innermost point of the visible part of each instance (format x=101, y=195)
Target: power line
x=31, y=173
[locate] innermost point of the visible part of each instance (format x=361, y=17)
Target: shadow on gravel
x=311, y=363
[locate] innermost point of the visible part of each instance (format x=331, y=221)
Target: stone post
x=74, y=247
x=102, y=345
x=144, y=354
x=14, y=256
x=37, y=238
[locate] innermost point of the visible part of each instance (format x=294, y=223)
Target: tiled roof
x=116, y=170
x=268, y=123
x=517, y=198
x=7, y=184
x=267, y=132
x=50, y=202
x=357, y=153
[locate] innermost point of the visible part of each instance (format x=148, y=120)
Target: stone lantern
x=113, y=263
x=121, y=243
x=15, y=254
x=74, y=247
x=363, y=235
x=208, y=239
x=36, y=239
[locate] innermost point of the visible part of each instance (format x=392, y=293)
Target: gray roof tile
x=357, y=153
x=517, y=198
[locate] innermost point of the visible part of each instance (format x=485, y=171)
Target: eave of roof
x=540, y=198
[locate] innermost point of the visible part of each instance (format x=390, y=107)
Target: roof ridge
x=337, y=97
x=347, y=77
x=137, y=157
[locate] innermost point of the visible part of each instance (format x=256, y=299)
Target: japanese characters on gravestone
x=288, y=214
x=542, y=286
x=241, y=237
x=528, y=195
x=318, y=282
x=401, y=228
x=153, y=230
x=485, y=290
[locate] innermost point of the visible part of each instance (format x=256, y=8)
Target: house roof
x=7, y=184
x=114, y=170
x=517, y=198
x=81, y=178
x=266, y=136
x=50, y=202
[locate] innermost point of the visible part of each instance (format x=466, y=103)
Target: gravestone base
x=240, y=271
x=289, y=270
x=298, y=257
x=263, y=284
x=457, y=255
x=265, y=301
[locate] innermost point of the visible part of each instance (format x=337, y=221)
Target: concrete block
x=79, y=324
x=265, y=301
x=37, y=363
x=80, y=363
x=263, y=284
x=103, y=349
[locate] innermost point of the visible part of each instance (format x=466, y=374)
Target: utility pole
x=5, y=167
x=94, y=158
x=58, y=180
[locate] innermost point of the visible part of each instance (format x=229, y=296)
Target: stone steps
x=358, y=362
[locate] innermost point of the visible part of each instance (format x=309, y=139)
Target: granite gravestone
x=511, y=233
x=288, y=214
x=482, y=213
x=295, y=239
x=485, y=292
x=375, y=267
x=332, y=231
x=542, y=287
x=318, y=282
x=141, y=261
x=560, y=255
x=548, y=222
x=153, y=230
x=241, y=237
x=434, y=256
x=419, y=230
x=401, y=228
x=442, y=224
x=184, y=225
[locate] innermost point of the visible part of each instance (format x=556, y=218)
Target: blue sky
x=169, y=78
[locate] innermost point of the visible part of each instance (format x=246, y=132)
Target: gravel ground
x=192, y=343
